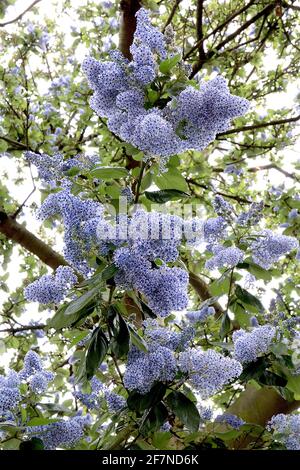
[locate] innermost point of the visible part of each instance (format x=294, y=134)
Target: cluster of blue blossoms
x=286, y=429
x=51, y=288
x=159, y=363
x=189, y=120
x=99, y=393
x=33, y=373
x=249, y=345
x=64, y=433
x=208, y=371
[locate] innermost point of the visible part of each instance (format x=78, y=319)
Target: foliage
x=110, y=359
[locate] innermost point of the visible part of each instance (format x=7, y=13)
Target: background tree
x=45, y=109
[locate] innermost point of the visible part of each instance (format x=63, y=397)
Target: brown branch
x=128, y=9
x=231, y=196
x=264, y=12
x=16, y=232
x=21, y=14
x=199, y=28
x=219, y=28
x=18, y=145
x=257, y=406
x=202, y=290
x=23, y=328
x=259, y=126
x=272, y=166
x=172, y=13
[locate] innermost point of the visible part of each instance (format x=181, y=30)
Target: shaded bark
x=257, y=406
x=128, y=9
x=202, y=290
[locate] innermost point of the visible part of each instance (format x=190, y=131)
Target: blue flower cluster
x=224, y=257
x=34, y=373
x=249, y=345
x=286, y=429
x=159, y=363
x=9, y=392
x=91, y=400
x=164, y=287
x=75, y=212
x=51, y=288
x=99, y=392
x=143, y=369
x=64, y=434
x=232, y=420
x=190, y=120
x=200, y=315
x=269, y=247
x=252, y=216
x=208, y=371
x=53, y=168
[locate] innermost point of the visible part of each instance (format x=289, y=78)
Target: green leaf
x=107, y=172
x=171, y=179
x=96, y=352
x=184, y=409
x=225, y=326
x=35, y=443
x=40, y=421
x=81, y=302
x=61, y=320
x=165, y=195
x=248, y=299
x=257, y=271
x=155, y=419
x=137, y=340
x=220, y=286
x=166, y=65
x=293, y=384
x=270, y=378
x=138, y=402
x=120, y=343
x=161, y=440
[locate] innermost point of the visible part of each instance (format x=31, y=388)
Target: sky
x=46, y=9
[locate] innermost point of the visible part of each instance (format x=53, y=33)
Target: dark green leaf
x=160, y=197
x=81, y=302
x=139, y=403
x=155, y=419
x=248, y=298
x=107, y=173
x=120, y=343
x=33, y=444
x=184, y=409
x=137, y=340
x=61, y=320
x=225, y=326
x=96, y=352
x=270, y=378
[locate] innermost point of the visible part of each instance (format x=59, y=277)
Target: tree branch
x=219, y=28
x=202, y=290
x=171, y=16
x=21, y=14
x=199, y=28
x=19, y=234
x=128, y=10
x=23, y=328
x=264, y=12
x=259, y=126
x=257, y=406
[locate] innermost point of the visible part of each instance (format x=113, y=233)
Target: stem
x=139, y=181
